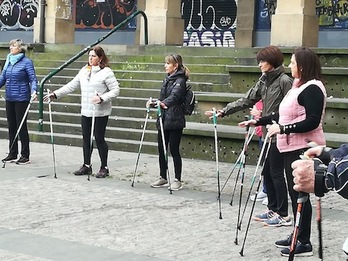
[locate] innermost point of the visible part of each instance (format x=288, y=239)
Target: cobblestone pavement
x=73, y=219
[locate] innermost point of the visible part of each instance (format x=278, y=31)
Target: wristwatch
x=320, y=174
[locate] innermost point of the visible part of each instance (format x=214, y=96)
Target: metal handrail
x=82, y=52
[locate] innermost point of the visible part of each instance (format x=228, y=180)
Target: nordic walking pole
x=241, y=252
x=318, y=207
x=243, y=156
x=317, y=166
x=301, y=200
x=237, y=163
x=217, y=160
x=92, y=133
x=320, y=236
x=32, y=98
x=247, y=129
x=159, y=113
x=253, y=179
x=52, y=137
x=142, y=139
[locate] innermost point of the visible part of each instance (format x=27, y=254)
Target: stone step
x=244, y=77
x=214, y=78
x=50, y=65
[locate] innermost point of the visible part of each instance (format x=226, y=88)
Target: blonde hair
x=177, y=59
x=20, y=44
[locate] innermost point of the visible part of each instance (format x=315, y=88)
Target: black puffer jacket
x=172, y=94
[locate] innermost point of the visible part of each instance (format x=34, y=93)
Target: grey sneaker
x=176, y=185
x=160, y=183
x=264, y=216
x=260, y=196
x=278, y=221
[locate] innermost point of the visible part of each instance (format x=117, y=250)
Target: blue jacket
x=20, y=80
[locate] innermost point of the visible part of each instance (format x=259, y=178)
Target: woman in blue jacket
x=19, y=77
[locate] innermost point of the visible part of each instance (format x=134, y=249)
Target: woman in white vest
x=299, y=121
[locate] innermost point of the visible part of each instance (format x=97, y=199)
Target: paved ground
x=72, y=219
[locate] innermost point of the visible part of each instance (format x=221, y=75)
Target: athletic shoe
x=103, y=173
x=161, y=182
x=300, y=250
x=22, y=161
x=284, y=243
x=260, y=196
x=84, y=170
x=176, y=185
x=278, y=221
x=10, y=158
x=264, y=216
x=265, y=201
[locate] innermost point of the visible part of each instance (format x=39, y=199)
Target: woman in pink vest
x=299, y=121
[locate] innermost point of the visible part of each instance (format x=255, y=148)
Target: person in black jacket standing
x=171, y=100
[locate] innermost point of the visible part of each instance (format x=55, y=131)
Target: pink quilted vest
x=291, y=112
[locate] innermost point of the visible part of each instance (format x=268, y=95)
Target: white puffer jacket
x=93, y=80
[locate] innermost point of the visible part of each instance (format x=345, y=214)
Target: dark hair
x=272, y=55
x=174, y=58
x=308, y=65
x=104, y=61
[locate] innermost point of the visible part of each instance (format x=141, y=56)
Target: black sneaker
x=300, y=250
x=103, y=173
x=84, y=170
x=284, y=243
x=10, y=158
x=22, y=161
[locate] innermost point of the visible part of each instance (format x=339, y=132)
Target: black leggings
x=99, y=135
x=305, y=227
x=171, y=137
x=15, y=112
x=274, y=180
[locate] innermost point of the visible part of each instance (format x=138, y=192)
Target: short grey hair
x=20, y=44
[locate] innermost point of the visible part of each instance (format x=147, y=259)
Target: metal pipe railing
x=82, y=52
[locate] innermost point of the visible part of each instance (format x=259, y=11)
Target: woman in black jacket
x=171, y=100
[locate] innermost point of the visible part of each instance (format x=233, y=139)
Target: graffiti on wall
x=209, y=22
x=332, y=14
x=104, y=14
x=18, y=14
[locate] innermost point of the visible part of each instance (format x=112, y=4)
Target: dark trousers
x=274, y=180
x=171, y=137
x=15, y=112
x=99, y=136
x=305, y=227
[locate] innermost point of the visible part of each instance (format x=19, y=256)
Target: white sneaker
x=260, y=196
x=176, y=185
x=160, y=183
x=265, y=201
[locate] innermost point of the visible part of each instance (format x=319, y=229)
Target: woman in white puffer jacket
x=98, y=86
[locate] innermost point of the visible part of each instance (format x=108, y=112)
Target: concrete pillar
x=245, y=23
x=295, y=23
x=164, y=22
x=59, y=23
x=139, y=31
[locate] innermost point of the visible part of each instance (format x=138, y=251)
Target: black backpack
x=190, y=101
